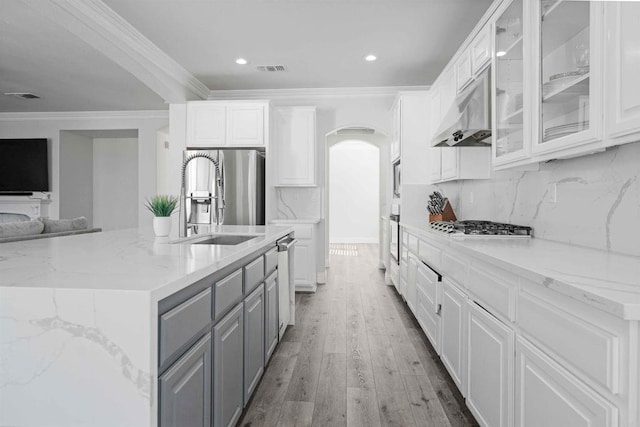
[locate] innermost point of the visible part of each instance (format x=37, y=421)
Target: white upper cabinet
x=415, y=134
x=245, y=125
x=295, y=146
x=463, y=70
x=567, y=41
x=206, y=124
x=481, y=50
x=227, y=124
x=623, y=68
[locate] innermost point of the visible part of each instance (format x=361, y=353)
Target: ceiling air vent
x=271, y=68
x=23, y=95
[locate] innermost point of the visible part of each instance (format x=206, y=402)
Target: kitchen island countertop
x=79, y=321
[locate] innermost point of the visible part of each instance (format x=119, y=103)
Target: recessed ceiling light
x=241, y=61
x=370, y=58
x=501, y=53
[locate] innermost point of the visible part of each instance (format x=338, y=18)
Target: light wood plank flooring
x=355, y=357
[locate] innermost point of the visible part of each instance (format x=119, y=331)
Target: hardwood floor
x=355, y=357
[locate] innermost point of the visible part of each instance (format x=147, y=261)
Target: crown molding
x=87, y=115
x=340, y=92
x=105, y=30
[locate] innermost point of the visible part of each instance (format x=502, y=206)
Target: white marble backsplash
x=597, y=199
x=299, y=203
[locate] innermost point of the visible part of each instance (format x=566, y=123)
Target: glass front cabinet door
x=568, y=42
x=547, y=80
x=509, y=64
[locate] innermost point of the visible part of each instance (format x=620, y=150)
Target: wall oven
x=396, y=179
x=394, y=239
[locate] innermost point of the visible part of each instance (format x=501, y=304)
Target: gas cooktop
x=482, y=228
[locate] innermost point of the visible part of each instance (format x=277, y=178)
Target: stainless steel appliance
x=475, y=228
x=468, y=121
x=286, y=285
x=222, y=186
x=396, y=179
x=394, y=240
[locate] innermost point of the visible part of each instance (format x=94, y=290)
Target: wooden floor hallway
x=355, y=357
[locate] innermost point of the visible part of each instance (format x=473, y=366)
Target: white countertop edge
x=557, y=281
x=177, y=285
x=295, y=221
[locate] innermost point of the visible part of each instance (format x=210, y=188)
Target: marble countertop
x=124, y=260
x=606, y=280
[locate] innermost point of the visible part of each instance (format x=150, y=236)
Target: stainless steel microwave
x=396, y=180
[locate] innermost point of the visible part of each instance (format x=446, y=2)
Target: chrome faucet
x=218, y=199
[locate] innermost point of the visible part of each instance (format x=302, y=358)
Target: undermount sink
x=224, y=240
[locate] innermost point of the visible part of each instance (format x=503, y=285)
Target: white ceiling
x=39, y=56
x=321, y=42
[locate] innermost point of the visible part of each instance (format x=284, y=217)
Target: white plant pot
x=162, y=225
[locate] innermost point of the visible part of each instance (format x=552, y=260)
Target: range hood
x=468, y=121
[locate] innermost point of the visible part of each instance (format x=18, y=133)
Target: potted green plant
x=162, y=207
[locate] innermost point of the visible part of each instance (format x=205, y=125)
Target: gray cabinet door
x=227, y=368
x=185, y=389
x=253, y=340
x=271, y=318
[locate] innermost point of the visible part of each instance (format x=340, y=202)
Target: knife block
x=446, y=215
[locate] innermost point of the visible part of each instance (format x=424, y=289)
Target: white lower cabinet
x=411, y=291
x=305, y=258
x=454, y=307
x=490, y=349
x=522, y=354
x=428, y=290
x=548, y=395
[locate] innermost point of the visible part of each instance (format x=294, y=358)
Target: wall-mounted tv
x=24, y=165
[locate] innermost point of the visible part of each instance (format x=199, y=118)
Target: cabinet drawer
x=429, y=254
x=548, y=395
x=270, y=261
x=454, y=267
x=495, y=290
x=180, y=324
x=428, y=318
x=583, y=347
x=228, y=292
x=253, y=274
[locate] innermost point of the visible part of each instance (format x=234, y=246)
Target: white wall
x=115, y=183
x=49, y=125
x=76, y=176
x=354, y=197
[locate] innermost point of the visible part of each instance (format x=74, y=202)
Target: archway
x=358, y=136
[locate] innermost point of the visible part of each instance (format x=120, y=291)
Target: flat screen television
x=24, y=165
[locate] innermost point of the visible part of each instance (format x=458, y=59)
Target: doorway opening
x=356, y=192
x=99, y=177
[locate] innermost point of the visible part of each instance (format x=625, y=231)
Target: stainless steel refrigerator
x=240, y=194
